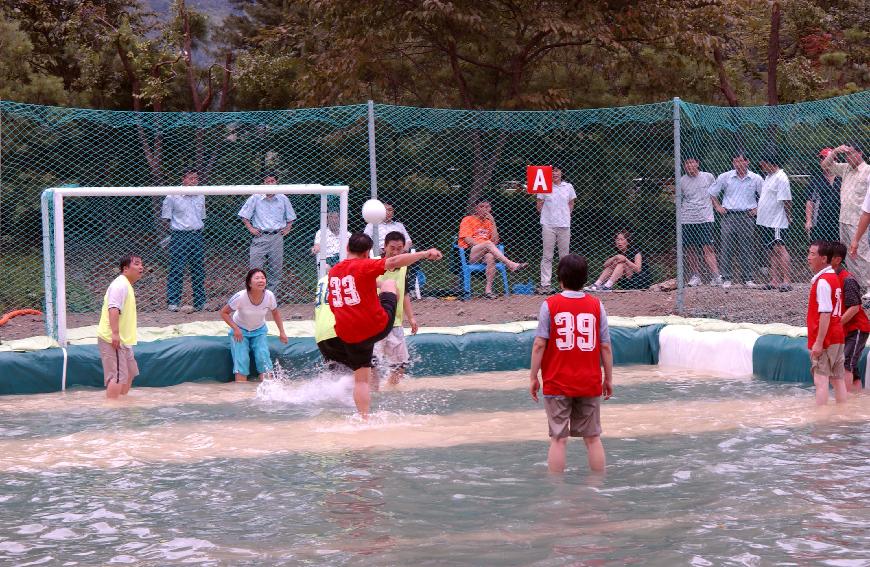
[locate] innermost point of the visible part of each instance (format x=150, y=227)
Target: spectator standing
x=389, y=225
x=116, y=332
x=333, y=244
x=696, y=216
x=555, y=211
x=184, y=216
x=738, y=208
x=774, y=211
x=269, y=218
x=855, y=174
x=823, y=204
x=856, y=325
x=479, y=234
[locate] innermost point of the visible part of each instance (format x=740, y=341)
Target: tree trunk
x=724, y=82
x=773, y=54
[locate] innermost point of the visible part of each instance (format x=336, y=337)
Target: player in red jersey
x=571, y=344
x=825, y=336
x=362, y=317
x=856, y=325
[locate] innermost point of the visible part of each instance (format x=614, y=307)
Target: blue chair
x=466, y=269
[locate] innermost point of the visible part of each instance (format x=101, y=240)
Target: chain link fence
x=432, y=165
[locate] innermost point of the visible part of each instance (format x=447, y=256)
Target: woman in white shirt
x=245, y=313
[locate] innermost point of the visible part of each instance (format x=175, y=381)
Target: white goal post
x=55, y=280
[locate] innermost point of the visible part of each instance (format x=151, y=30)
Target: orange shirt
x=476, y=228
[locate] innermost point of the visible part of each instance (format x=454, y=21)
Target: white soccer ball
x=374, y=211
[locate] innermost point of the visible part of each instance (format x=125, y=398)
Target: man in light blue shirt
x=738, y=209
x=269, y=218
x=184, y=216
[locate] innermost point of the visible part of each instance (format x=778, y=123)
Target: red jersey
x=835, y=333
x=353, y=297
x=572, y=360
x=859, y=322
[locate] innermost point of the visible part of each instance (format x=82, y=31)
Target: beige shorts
x=577, y=417
x=393, y=350
x=118, y=365
x=831, y=363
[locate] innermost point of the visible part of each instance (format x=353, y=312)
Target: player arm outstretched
x=407, y=259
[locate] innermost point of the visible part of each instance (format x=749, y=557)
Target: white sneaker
x=726, y=283
x=751, y=284
x=173, y=307
x=716, y=281
x=695, y=281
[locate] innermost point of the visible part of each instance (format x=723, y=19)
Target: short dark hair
x=393, y=236
x=770, y=157
x=190, y=170
x=359, y=243
x=126, y=260
x=250, y=276
x=573, y=271
x=824, y=248
x=838, y=250
x=625, y=233
x=690, y=157
x=739, y=154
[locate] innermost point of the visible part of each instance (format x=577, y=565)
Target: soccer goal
x=85, y=230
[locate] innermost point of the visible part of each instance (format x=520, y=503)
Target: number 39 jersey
x=353, y=297
x=572, y=360
x=835, y=333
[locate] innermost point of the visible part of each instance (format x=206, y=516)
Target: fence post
x=373, y=169
x=678, y=201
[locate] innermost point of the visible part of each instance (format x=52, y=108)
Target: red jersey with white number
x=859, y=322
x=572, y=360
x=353, y=297
x=835, y=333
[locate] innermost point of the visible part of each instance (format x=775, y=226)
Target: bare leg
x=710, y=258
x=595, y=453
x=856, y=384
x=113, y=390
x=784, y=263
x=241, y=378
x=618, y=272
x=361, y=395
x=479, y=250
x=125, y=388
x=693, y=260
x=556, y=455
x=774, y=268
x=605, y=274
x=840, y=393
x=396, y=375
x=490, y=271
x=821, y=383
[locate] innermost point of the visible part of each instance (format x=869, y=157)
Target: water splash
x=328, y=386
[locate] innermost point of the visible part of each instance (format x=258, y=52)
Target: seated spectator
x=625, y=270
x=389, y=225
x=479, y=236
x=333, y=246
x=248, y=331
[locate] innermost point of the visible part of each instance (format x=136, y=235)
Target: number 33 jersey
x=572, y=360
x=353, y=297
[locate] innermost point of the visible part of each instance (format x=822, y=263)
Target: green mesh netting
x=432, y=165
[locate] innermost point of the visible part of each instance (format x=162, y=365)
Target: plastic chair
x=467, y=269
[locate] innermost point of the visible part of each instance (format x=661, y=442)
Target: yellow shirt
x=399, y=277
x=324, y=320
x=119, y=295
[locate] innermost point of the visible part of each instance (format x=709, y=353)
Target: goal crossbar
x=55, y=283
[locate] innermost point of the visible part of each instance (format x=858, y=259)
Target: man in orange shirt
x=479, y=235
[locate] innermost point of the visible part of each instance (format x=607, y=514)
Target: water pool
x=450, y=471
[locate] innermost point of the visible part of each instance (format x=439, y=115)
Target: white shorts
x=393, y=350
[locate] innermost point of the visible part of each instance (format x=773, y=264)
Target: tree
x=18, y=80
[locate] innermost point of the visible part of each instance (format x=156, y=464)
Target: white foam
x=328, y=387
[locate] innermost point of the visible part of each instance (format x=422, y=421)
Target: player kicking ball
x=362, y=316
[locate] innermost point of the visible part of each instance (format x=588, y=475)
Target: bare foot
x=518, y=266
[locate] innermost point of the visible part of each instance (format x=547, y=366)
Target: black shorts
x=698, y=234
x=359, y=355
x=770, y=237
x=855, y=342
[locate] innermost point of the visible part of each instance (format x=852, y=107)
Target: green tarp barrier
x=787, y=359
x=172, y=361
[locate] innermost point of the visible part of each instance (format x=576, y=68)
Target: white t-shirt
x=385, y=228
x=117, y=293
x=249, y=316
x=333, y=246
x=555, y=212
x=774, y=190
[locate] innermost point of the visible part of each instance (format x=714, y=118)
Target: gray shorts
x=393, y=350
x=118, y=365
x=830, y=363
x=577, y=417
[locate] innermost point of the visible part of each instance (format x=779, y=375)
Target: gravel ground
x=735, y=304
